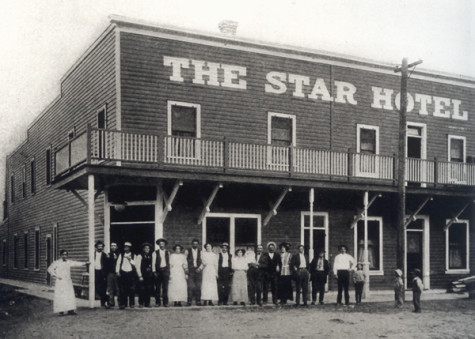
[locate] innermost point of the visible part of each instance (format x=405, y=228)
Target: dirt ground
x=23, y=316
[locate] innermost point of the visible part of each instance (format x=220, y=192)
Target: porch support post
x=210, y=200
x=107, y=221
x=365, y=251
x=360, y=214
x=90, y=200
x=311, y=199
x=455, y=219
x=276, y=205
x=414, y=215
x=159, y=213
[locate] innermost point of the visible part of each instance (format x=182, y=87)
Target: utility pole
x=401, y=232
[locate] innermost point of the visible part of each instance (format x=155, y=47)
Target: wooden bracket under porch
x=413, y=217
x=360, y=215
x=456, y=217
x=276, y=205
x=206, y=208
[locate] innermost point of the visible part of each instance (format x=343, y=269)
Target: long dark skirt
x=284, y=288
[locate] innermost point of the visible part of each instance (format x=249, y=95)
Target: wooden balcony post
x=225, y=154
x=88, y=144
x=160, y=150
x=291, y=160
x=436, y=172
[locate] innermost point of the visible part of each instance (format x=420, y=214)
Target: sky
x=41, y=40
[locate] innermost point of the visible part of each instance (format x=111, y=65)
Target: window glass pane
x=318, y=221
x=456, y=150
x=417, y=224
x=184, y=121
x=33, y=176
x=246, y=232
x=25, y=250
x=318, y=241
x=458, y=246
x=414, y=131
x=48, y=166
x=217, y=231
x=367, y=141
x=281, y=133
x=373, y=244
x=37, y=249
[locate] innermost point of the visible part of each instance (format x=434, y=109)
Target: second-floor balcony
x=97, y=146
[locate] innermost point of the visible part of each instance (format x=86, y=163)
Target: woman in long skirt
x=284, y=288
x=177, y=286
x=209, y=266
x=239, y=289
x=64, y=298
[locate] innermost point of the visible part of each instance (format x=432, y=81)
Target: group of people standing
x=203, y=276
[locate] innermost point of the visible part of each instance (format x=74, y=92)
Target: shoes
x=260, y=305
x=122, y=307
x=313, y=303
x=321, y=302
x=72, y=313
x=210, y=303
x=61, y=314
x=198, y=303
x=131, y=306
x=305, y=305
x=243, y=303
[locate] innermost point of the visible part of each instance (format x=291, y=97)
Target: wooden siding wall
x=84, y=91
x=146, y=88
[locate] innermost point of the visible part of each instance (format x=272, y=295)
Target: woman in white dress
x=209, y=266
x=240, y=266
x=64, y=298
x=177, y=286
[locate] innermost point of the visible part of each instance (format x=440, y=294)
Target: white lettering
x=456, y=114
x=320, y=89
x=345, y=89
x=276, y=79
x=382, y=94
x=209, y=69
x=299, y=81
x=177, y=64
x=424, y=100
x=232, y=75
x=439, y=106
x=410, y=102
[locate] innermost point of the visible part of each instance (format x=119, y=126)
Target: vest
x=146, y=266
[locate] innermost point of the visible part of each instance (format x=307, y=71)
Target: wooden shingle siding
x=89, y=86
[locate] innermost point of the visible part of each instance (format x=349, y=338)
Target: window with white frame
x=456, y=148
x=23, y=181
x=281, y=134
x=48, y=165
x=15, y=251
x=457, y=247
x=367, y=139
x=373, y=236
x=33, y=175
x=184, y=127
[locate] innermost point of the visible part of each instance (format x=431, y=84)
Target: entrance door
x=136, y=234
x=417, y=250
x=239, y=230
x=49, y=257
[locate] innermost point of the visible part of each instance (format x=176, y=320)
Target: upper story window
x=12, y=188
x=48, y=166
x=367, y=139
x=25, y=250
x=37, y=248
x=102, y=117
x=23, y=182
x=33, y=175
x=457, y=247
x=72, y=133
x=184, y=119
x=456, y=148
x=281, y=129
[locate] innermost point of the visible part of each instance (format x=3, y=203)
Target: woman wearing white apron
x=209, y=266
x=64, y=298
x=177, y=287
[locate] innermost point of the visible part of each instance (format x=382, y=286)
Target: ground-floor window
x=320, y=232
x=25, y=250
x=457, y=247
x=37, y=249
x=239, y=230
x=372, y=235
x=15, y=251
x=4, y=252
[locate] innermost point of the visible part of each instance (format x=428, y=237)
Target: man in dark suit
x=194, y=275
x=225, y=274
x=319, y=269
x=300, y=268
x=258, y=265
x=273, y=271
x=100, y=270
x=161, y=270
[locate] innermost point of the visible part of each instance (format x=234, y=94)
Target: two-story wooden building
x=164, y=132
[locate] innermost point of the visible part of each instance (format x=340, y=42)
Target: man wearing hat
x=100, y=267
x=225, y=274
x=112, y=283
x=145, y=275
x=319, y=269
x=300, y=268
x=193, y=256
x=273, y=271
x=126, y=274
x=161, y=270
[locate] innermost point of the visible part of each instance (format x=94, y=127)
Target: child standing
x=417, y=288
x=398, y=289
x=358, y=279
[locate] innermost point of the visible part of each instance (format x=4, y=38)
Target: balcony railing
x=106, y=146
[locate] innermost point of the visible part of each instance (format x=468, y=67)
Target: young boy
x=359, y=279
x=417, y=288
x=398, y=289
